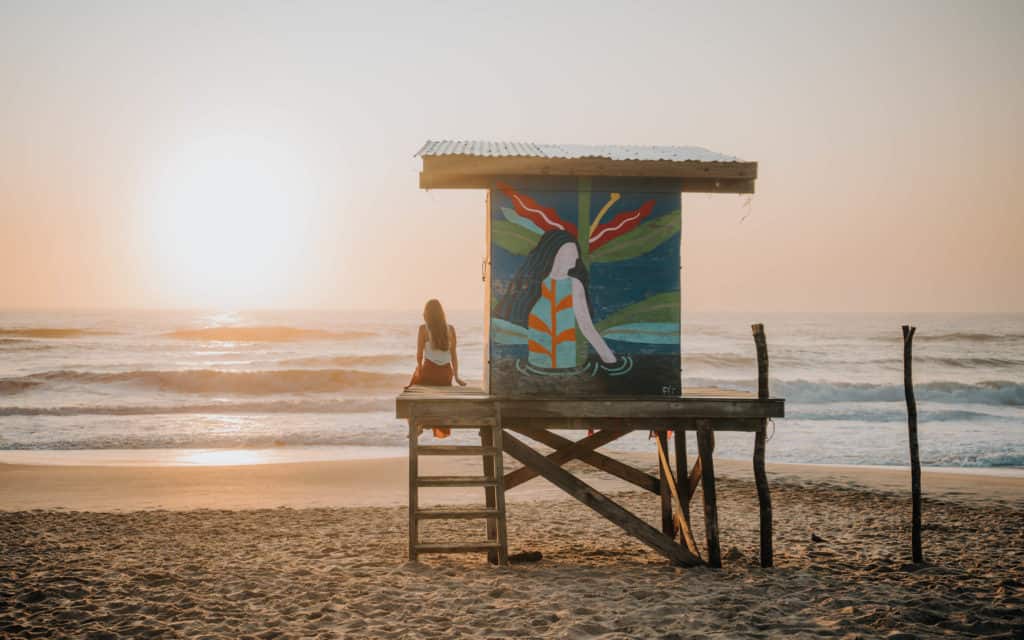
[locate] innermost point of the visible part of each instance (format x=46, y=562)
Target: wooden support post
x=490, y=493
x=497, y=441
x=667, y=524
x=764, y=498
x=599, y=503
x=706, y=448
x=414, y=437
x=682, y=469
x=915, y=461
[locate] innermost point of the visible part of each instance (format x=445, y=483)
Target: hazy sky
x=258, y=155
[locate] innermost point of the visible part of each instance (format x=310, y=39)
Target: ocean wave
x=1002, y=392
x=47, y=332
x=995, y=392
x=234, y=382
x=264, y=334
x=10, y=386
x=360, y=405
x=719, y=360
x=864, y=413
x=988, y=459
x=955, y=336
x=215, y=440
x=350, y=361
x=968, y=362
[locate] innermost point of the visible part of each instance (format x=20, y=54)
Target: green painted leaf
x=513, y=238
x=662, y=307
x=640, y=240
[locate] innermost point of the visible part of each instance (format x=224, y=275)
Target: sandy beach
x=318, y=550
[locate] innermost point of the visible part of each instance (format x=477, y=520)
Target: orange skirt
x=434, y=375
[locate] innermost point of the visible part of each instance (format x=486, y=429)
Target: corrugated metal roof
x=570, y=151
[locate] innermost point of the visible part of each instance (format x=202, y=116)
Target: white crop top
x=436, y=356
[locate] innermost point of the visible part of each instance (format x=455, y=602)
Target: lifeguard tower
x=582, y=331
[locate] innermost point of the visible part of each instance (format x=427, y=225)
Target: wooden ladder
x=492, y=481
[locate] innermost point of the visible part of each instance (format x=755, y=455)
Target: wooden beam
x=667, y=485
x=764, y=497
x=475, y=166
x=682, y=466
x=681, y=518
x=695, y=476
x=656, y=424
x=414, y=437
x=490, y=493
x=598, y=460
x=671, y=185
x=706, y=446
x=563, y=455
x=599, y=503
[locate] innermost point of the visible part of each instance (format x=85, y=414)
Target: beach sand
x=319, y=550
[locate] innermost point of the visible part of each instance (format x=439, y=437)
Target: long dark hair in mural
x=543, y=298
x=548, y=296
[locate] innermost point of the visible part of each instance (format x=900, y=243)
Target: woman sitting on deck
x=437, y=361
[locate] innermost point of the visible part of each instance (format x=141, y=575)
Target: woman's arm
x=586, y=324
x=455, y=356
x=421, y=343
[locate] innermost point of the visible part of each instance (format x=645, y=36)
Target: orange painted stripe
x=536, y=323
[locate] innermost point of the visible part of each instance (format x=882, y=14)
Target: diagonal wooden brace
x=593, y=458
x=563, y=455
x=678, y=515
x=600, y=503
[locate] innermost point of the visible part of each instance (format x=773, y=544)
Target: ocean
x=171, y=386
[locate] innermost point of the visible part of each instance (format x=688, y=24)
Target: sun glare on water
x=228, y=220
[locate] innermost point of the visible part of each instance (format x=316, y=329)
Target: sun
x=228, y=221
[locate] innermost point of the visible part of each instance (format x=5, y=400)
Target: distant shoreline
x=240, y=457
x=382, y=481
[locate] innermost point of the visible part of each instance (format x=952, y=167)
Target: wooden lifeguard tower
x=582, y=332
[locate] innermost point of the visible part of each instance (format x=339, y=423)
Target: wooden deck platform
x=607, y=419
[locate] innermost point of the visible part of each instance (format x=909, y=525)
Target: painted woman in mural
x=549, y=296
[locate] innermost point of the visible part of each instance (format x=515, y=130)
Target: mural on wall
x=584, y=288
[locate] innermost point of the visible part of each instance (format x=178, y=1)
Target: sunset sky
x=260, y=155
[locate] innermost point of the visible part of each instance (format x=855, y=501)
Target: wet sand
x=319, y=550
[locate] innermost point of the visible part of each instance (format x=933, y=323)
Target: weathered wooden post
x=915, y=461
x=764, y=498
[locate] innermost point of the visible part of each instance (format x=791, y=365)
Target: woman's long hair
x=437, y=324
x=524, y=290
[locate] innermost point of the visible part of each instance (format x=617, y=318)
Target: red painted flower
x=619, y=225
x=544, y=217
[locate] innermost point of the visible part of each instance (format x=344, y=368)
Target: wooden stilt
x=764, y=498
x=667, y=523
x=706, y=448
x=497, y=441
x=915, y=461
x=682, y=468
x=414, y=473
x=490, y=493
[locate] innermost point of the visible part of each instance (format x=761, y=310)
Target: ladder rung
x=455, y=450
x=453, y=514
x=456, y=481
x=459, y=547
